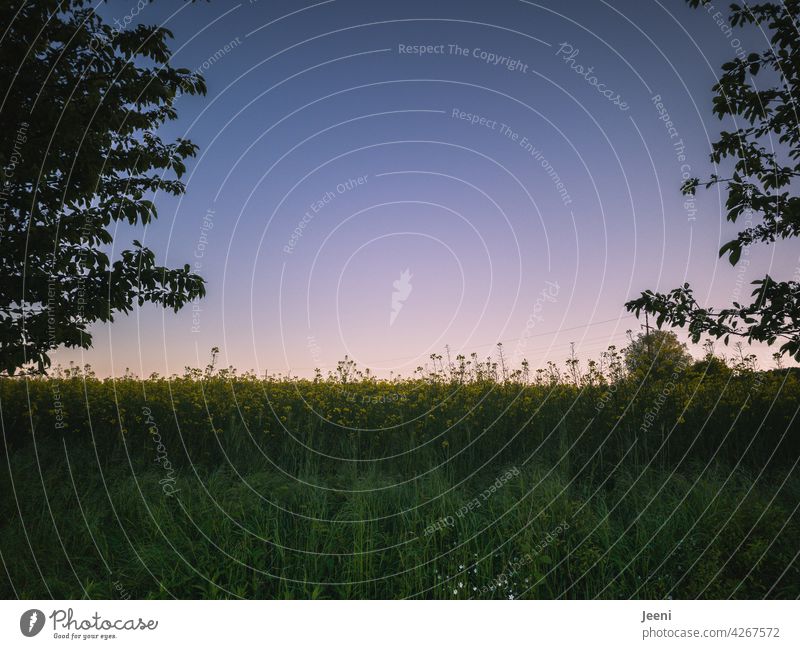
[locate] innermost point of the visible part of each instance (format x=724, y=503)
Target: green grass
x=356, y=488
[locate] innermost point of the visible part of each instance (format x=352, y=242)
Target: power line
x=558, y=331
x=507, y=340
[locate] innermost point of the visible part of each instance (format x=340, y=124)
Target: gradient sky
x=310, y=96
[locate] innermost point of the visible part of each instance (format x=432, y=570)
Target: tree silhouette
x=760, y=184
x=82, y=102
x=657, y=354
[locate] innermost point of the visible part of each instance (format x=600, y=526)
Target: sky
x=391, y=180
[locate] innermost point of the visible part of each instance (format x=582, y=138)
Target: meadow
x=606, y=480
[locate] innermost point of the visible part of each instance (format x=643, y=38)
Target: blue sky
x=514, y=157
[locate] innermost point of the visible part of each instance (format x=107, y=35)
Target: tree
x=657, y=353
x=82, y=102
x=760, y=185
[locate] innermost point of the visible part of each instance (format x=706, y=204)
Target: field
x=465, y=481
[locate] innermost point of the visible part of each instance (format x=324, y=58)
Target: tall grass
x=465, y=481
